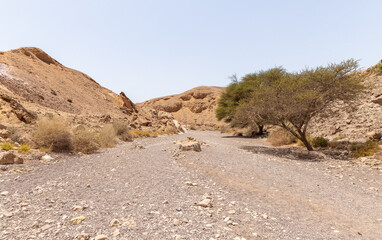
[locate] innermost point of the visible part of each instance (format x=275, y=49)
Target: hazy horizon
x=150, y=49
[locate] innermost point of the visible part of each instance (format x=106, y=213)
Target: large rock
x=5, y=133
x=127, y=103
x=7, y=158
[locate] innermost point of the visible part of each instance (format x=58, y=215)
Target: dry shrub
x=225, y=129
x=122, y=131
x=170, y=130
x=107, y=136
x=365, y=149
x=85, y=141
x=53, y=133
x=279, y=137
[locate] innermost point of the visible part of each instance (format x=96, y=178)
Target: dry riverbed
x=235, y=188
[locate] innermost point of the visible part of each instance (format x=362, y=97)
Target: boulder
x=189, y=146
x=5, y=133
x=7, y=158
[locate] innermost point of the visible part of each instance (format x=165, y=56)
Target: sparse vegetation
x=122, y=131
x=85, y=141
x=280, y=137
x=6, y=146
x=320, y=142
x=365, y=149
x=54, y=134
x=24, y=148
x=289, y=100
x=107, y=136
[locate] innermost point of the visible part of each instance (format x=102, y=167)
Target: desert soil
x=148, y=190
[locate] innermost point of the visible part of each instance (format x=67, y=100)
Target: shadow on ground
x=294, y=153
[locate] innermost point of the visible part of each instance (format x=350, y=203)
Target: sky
x=154, y=48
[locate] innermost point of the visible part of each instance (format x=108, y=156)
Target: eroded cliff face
x=193, y=107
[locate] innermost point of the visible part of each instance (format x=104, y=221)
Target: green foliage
x=366, y=149
x=6, y=146
x=289, y=100
x=320, y=142
x=24, y=148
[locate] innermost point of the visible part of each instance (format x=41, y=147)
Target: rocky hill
x=32, y=83
x=359, y=121
x=193, y=107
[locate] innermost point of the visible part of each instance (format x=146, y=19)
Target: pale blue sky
x=150, y=48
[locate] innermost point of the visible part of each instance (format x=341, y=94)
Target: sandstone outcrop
x=194, y=107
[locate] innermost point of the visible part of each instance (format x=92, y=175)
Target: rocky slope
x=357, y=122
x=193, y=107
x=32, y=83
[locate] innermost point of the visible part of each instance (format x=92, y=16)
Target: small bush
x=107, y=136
x=146, y=133
x=85, y=141
x=170, y=130
x=24, y=148
x=154, y=134
x=320, y=142
x=365, y=149
x=136, y=133
x=279, y=137
x=6, y=146
x=53, y=133
x=122, y=131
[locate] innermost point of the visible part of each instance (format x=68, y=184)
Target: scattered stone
x=265, y=216
x=188, y=146
x=101, y=237
x=83, y=236
x=177, y=222
x=79, y=208
x=191, y=184
x=7, y=158
x=45, y=227
x=46, y=157
x=5, y=193
x=206, y=203
x=115, y=222
x=5, y=133
x=19, y=160
x=78, y=220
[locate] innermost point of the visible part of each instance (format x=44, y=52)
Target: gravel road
x=149, y=190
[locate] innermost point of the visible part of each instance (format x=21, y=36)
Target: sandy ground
x=151, y=192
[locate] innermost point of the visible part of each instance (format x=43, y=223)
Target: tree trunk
x=306, y=142
x=261, y=130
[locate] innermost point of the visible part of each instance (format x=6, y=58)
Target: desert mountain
x=32, y=83
x=193, y=107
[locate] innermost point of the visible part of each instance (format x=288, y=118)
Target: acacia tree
x=233, y=104
x=291, y=100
